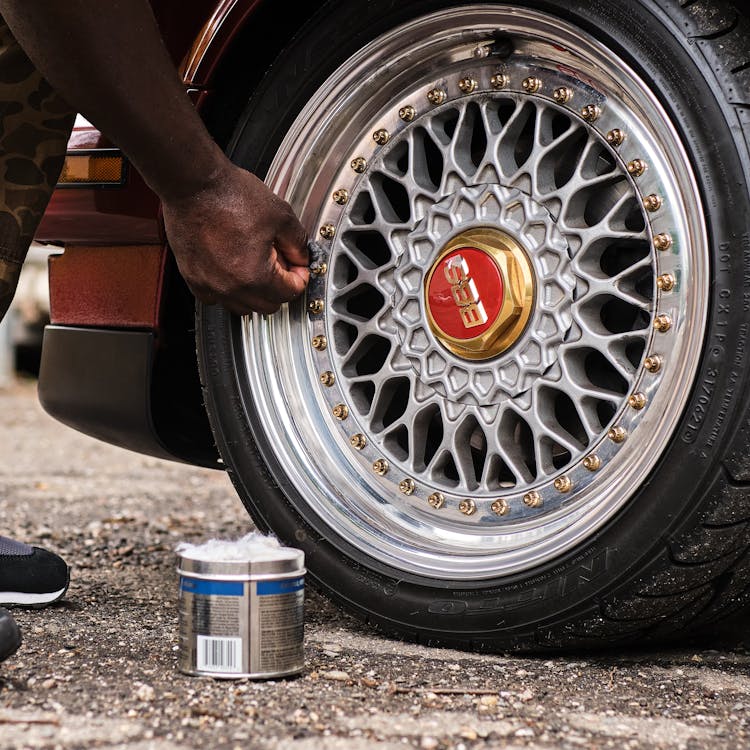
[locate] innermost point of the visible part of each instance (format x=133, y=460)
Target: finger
x=291, y=242
x=255, y=305
x=302, y=271
x=284, y=285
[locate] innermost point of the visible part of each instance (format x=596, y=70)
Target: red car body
x=118, y=358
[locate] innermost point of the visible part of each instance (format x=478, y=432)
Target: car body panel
x=118, y=362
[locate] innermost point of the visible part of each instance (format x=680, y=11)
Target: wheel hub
x=516, y=247
x=479, y=293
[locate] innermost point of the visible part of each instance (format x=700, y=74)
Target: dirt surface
x=100, y=670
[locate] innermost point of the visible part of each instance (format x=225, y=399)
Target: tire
x=577, y=475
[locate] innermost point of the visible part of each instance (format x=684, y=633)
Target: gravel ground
x=100, y=669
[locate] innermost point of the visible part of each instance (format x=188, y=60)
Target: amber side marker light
x=91, y=168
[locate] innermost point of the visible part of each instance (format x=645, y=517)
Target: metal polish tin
x=242, y=610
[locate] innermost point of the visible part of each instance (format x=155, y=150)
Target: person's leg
x=35, y=124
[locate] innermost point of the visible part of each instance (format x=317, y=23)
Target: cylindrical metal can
x=242, y=617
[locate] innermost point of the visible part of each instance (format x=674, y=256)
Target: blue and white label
x=200, y=587
x=288, y=586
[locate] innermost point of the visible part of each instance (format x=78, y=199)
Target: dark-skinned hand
x=238, y=244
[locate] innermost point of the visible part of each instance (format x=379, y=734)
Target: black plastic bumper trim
x=98, y=381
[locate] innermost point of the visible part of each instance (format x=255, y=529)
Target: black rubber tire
x=676, y=556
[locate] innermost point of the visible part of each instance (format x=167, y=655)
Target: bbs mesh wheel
x=502, y=414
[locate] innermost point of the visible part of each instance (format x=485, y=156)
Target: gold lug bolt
x=380, y=467
x=637, y=401
x=319, y=343
x=591, y=112
x=315, y=306
x=467, y=85
x=652, y=363
x=327, y=378
x=531, y=85
x=636, y=167
x=358, y=441
x=358, y=164
x=562, y=95
x=592, y=462
x=617, y=434
x=436, y=500
x=407, y=486
x=500, y=507
x=662, y=241
x=407, y=113
x=468, y=507
x=615, y=137
x=341, y=411
x=563, y=484
x=665, y=282
x=652, y=202
x=499, y=81
x=436, y=96
x=381, y=136
x=340, y=196
x=662, y=323
x=318, y=269
x=533, y=499
x=327, y=231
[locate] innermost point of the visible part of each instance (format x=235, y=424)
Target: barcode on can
x=218, y=654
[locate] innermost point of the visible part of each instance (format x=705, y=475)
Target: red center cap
x=465, y=293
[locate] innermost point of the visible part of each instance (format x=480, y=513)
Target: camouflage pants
x=35, y=124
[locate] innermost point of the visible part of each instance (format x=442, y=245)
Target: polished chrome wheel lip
x=334, y=481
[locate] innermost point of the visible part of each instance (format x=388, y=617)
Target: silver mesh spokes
x=516, y=420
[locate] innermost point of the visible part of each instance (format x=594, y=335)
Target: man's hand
x=238, y=244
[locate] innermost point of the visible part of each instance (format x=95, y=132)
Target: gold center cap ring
x=479, y=293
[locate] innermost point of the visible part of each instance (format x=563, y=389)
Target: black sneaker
x=10, y=635
x=30, y=576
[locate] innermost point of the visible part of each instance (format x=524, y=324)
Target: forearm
x=108, y=61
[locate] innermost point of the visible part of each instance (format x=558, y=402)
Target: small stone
x=467, y=733
x=49, y=684
x=336, y=675
x=488, y=700
x=526, y=696
x=524, y=732
x=145, y=693
x=428, y=743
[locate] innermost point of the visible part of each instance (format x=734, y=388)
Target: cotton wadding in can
x=241, y=608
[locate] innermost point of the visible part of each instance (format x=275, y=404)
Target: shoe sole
x=5, y=654
x=18, y=598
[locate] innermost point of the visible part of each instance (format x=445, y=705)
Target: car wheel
x=509, y=411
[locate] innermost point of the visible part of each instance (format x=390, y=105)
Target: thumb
x=291, y=242
x=286, y=284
